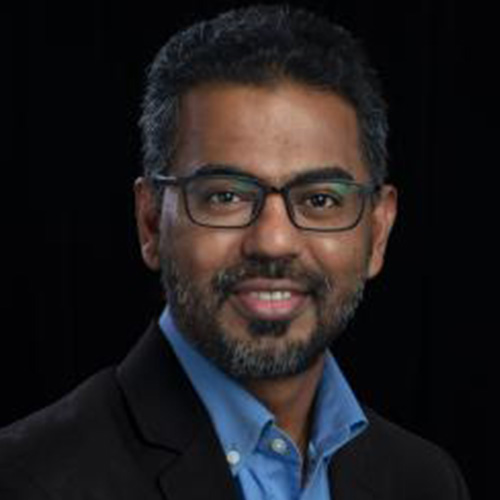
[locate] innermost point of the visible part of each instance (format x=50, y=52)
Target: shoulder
x=406, y=464
x=392, y=440
x=65, y=422
x=74, y=436
x=398, y=441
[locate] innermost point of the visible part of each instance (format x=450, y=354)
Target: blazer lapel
x=350, y=474
x=199, y=473
x=182, y=451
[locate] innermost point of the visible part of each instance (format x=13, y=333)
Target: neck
x=291, y=400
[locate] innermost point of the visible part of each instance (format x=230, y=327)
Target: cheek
x=202, y=252
x=342, y=257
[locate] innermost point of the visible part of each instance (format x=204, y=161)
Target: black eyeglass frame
x=369, y=189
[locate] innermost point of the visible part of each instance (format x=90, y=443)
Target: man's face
x=222, y=284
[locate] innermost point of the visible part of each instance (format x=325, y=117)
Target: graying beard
x=240, y=359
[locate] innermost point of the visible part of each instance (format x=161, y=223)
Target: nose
x=273, y=233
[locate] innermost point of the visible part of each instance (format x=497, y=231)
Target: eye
x=322, y=200
x=223, y=197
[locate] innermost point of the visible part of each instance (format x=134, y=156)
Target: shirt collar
x=240, y=419
x=338, y=415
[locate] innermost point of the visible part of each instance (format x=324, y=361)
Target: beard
x=195, y=310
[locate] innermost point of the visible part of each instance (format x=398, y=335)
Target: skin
x=273, y=133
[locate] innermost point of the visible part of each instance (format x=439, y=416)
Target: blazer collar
x=184, y=453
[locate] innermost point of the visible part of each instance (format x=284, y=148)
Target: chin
x=259, y=328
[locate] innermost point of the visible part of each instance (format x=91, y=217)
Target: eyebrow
x=311, y=174
x=323, y=173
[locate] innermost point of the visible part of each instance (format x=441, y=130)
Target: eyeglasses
x=235, y=201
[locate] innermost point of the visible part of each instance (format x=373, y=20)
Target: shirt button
x=233, y=457
x=279, y=446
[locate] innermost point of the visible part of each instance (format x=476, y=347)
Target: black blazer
x=139, y=431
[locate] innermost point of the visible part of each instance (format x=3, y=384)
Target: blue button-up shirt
x=264, y=460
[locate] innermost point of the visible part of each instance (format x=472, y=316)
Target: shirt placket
x=284, y=460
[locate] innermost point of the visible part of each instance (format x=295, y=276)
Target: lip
x=263, y=284
x=245, y=301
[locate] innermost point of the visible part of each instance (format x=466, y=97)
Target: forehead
x=273, y=132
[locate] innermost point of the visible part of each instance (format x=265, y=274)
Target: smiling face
x=265, y=300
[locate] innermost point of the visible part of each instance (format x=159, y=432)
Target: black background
x=75, y=294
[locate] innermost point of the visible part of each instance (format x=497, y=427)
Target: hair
x=262, y=45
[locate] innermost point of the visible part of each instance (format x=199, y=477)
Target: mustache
x=226, y=280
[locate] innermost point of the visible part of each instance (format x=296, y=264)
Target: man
x=264, y=206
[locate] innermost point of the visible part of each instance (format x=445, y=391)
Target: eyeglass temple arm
x=165, y=179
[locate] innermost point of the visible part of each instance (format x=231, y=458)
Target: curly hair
x=262, y=45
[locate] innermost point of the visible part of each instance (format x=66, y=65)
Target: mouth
x=270, y=299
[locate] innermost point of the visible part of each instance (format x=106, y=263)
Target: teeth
x=276, y=295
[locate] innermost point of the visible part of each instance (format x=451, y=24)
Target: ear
x=147, y=214
x=383, y=217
